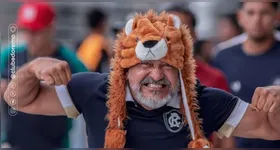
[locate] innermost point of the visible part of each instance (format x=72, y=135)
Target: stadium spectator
x=95, y=50
x=228, y=27
x=251, y=59
x=37, y=24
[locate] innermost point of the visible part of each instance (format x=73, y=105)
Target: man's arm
x=262, y=117
x=4, y=77
x=4, y=85
x=36, y=97
x=256, y=125
x=4, y=55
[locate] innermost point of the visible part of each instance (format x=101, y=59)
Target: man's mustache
x=149, y=80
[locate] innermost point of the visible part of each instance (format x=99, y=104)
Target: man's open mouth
x=156, y=86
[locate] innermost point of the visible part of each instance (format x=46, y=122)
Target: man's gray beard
x=260, y=39
x=154, y=101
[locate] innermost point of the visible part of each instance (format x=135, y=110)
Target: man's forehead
x=41, y=31
x=257, y=5
x=154, y=62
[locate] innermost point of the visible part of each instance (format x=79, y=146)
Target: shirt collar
x=175, y=102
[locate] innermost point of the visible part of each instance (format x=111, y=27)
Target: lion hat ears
x=153, y=37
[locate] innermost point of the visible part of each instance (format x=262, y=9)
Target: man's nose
x=156, y=74
x=257, y=18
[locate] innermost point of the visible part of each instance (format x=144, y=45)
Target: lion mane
x=155, y=37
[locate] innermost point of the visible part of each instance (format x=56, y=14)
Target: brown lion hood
x=153, y=37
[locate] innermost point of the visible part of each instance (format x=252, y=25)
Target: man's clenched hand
x=51, y=71
x=267, y=99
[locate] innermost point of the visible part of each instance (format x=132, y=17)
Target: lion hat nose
x=151, y=50
x=150, y=43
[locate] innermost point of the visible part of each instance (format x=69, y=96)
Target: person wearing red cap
x=36, y=22
x=35, y=16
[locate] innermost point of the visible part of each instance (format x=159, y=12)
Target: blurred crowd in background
x=83, y=34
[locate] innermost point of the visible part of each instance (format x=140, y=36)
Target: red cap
x=35, y=16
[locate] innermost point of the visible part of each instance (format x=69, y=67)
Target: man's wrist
x=275, y=121
x=25, y=73
x=30, y=68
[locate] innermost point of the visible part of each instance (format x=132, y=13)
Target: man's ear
x=239, y=17
x=126, y=73
x=52, y=28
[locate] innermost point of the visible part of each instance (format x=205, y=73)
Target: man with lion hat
x=151, y=98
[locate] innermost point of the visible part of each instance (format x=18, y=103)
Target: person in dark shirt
x=35, y=20
x=228, y=27
x=151, y=98
x=253, y=62
x=278, y=19
x=207, y=74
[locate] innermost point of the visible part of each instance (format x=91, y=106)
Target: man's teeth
x=155, y=85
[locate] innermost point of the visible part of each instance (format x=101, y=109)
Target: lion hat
x=153, y=36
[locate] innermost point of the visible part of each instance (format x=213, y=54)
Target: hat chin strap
x=187, y=109
x=186, y=106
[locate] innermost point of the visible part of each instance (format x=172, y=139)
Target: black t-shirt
x=145, y=128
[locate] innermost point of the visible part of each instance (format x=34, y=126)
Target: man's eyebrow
x=164, y=63
x=146, y=61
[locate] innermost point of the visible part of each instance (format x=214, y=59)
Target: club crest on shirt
x=276, y=81
x=173, y=121
x=235, y=86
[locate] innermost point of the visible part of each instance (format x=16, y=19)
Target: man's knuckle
x=58, y=67
x=277, y=102
x=64, y=64
x=43, y=72
x=258, y=88
x=53, y=69
x=265, y=92
x=274, y=94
